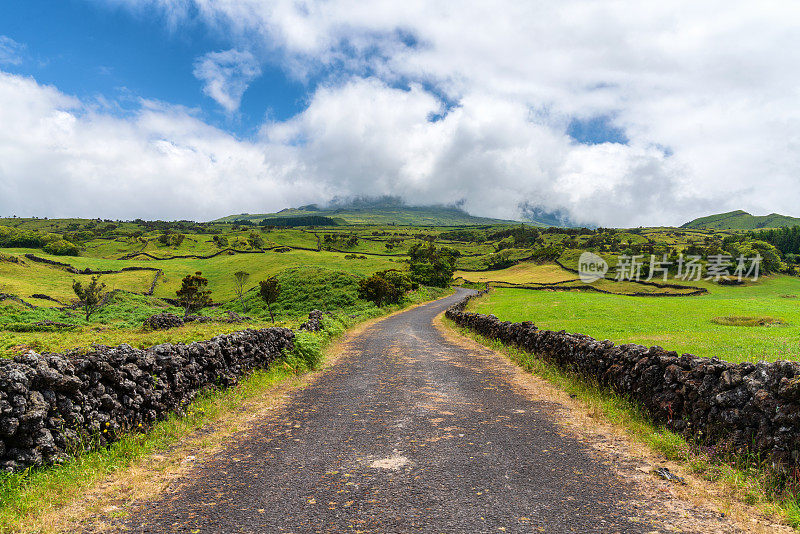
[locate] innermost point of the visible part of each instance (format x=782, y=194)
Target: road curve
x=407, y=432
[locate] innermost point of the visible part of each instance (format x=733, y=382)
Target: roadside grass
x=743, y=479
x=26, y=496
x=683, y=324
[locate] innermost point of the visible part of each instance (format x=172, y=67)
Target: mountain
x=386, y=210
x=741, y=220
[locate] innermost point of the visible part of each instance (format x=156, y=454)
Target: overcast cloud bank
x=440, y=105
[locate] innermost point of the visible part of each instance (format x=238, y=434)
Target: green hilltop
x=383, y=212
x=741, y=220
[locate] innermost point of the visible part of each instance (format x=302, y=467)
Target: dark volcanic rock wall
x=747, y=407
x=50, y=403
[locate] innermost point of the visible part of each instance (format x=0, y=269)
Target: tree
x=385, y=287
x=61, y=247
x=90, y=296
x=376, y=289
x=240, y=280
x=192, y=295
x=431, y=266
x=269, y=292
x=255, y=240
x=170, y=238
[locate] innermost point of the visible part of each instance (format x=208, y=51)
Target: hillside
x=741, y=220
x=384, y=212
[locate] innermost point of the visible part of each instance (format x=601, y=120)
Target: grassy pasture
x=534, y=274
x=522, y=273
x=37, y=277
x=683, y=324
x=306, y=285
x=26, y=279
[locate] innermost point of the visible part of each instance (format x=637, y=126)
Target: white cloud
x=61, y=157
x=226, y=75
x=705, y=92
x=714, y=82
x=10, y=51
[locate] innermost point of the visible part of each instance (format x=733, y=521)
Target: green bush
x=307, y=288
x=307, y=350
x=61, y=247
x=385, y=287
x=432, y=266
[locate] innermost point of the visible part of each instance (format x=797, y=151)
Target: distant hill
x=387, y=210
x=741, y=220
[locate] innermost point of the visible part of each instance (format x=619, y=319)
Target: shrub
x=62, y=247
x=500, y=260
x=377, y=289
x=385, y=287
x=307, y=349
x=269, y=291
x=192, y=295
x=171, y=239
x=255, y=240
x=90, y=296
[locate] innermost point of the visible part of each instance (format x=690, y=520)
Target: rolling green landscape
x=360, y=264
x=741, y=220
x=533, y=270
x=324, y=266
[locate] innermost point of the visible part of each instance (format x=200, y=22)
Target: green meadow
x=531, y=269
x=682, y=324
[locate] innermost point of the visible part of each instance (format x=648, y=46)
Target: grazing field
x=685, y=324
x=522, y=273
x=321, y=266
x=553, y=277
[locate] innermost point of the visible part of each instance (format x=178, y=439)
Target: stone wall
x=746, y=407
x=51, y=403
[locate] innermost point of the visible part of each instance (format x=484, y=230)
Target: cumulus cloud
x=63, y=157
x=10, y=51
x=226, y=75
x=439, y=105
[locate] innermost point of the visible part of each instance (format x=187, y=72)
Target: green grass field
x=522, y=273
x=683, y=324
x=754, y=321
x=311, y=261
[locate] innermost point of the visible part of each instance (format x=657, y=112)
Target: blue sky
x=662, y=113
x=88, y=50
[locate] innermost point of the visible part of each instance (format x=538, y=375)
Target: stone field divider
x=746, y=408
x=53, y=404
